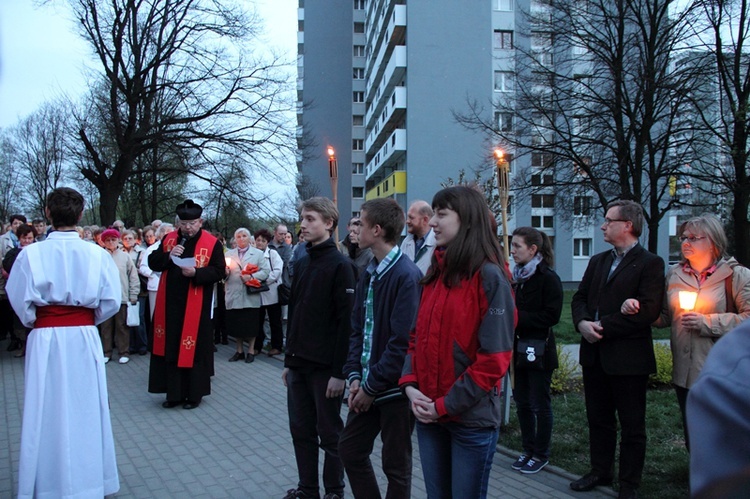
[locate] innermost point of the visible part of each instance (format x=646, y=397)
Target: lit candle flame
x=687, y=300
x=229, y=261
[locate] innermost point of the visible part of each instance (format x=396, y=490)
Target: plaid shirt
x=376, y=271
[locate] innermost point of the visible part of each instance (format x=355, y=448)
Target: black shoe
x=249, y=358
x=190, y=405
x=168, y=404
x=143, y=352
x=15, y=344
x=627, y=493
x=237, y=356
x=520, y=462
x=225, y=342
x=589, y=481
x=296, y=494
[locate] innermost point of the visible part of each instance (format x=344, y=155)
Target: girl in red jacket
x=460, y=348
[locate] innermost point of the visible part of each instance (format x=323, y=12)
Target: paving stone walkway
x=236, y=444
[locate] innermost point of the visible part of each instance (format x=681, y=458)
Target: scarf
x=522, y=273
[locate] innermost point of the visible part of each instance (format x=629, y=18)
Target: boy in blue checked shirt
x=385, y=307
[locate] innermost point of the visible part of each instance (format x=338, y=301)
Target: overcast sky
x=42, y=57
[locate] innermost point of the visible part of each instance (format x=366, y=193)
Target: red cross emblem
x=159, y=331
x=201, y=259
x=188, y=342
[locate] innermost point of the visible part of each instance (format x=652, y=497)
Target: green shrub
x=566, y=377
x=663, y=375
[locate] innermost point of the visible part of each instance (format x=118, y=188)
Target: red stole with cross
x=203, y=250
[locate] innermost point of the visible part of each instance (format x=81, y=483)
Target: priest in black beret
x=191, y=261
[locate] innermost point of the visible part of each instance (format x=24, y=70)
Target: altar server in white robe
x=63, y=287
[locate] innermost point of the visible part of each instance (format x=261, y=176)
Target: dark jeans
x=315, y=423
x=682, y=394
x=625, y=396
x=394, y=421
x=274, y=321
x=534, y=408
x=456, y=459
x=138, y=334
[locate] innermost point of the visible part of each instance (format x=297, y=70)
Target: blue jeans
x=534, y=408
x=471, y=449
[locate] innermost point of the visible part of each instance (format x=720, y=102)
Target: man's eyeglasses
x=608, y=221
x=189, y=223
x=691, y=239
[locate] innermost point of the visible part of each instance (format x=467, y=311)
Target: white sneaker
x=106, y=359
x=124, y=360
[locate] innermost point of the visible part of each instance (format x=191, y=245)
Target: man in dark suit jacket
x=617, y=353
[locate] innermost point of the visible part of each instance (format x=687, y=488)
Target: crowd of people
x=422, y=332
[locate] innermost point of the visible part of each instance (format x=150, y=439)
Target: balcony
x=394, y=184
x=393, y=149
x=391, y=76
x=391, y=115
x=393, y=36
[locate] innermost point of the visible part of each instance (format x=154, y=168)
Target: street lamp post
x=503, y=187
x=333, y=174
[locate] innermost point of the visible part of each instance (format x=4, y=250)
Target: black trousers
x=608, y=396
x=395, y=423
x=315, y=423
x=6, y=320
x=277, y=330
x=682, y=395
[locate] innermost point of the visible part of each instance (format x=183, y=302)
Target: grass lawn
x=565, y=333
x=666, y=473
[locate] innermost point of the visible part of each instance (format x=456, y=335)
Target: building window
x=542, y=222
x=542, y=200
x=504, y=5
x=358, y=144
x=582, y=206
x=359, y=96
x=538, y=179
x=359, y=73
x=503, y=39
x=359, y=51
x=359, y=4
x=510, y=206
x=359, y=27
x=358, y=120
x=358, y=168
x=358, y=192
x=504, y=121
x=504, y=81
x=581, y=247
x=541, y=160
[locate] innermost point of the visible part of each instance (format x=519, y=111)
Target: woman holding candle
x=243, y=308
x=720, y=291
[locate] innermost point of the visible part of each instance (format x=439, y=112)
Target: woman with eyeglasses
x=721, y=287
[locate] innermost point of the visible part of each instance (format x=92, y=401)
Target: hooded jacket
x=462, y=345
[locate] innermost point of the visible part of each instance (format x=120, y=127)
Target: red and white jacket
x=462, y=346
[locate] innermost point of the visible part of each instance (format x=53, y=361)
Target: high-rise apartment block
x=382, y=82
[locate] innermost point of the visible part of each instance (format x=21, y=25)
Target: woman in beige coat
x=243, y=308
x=722, y=290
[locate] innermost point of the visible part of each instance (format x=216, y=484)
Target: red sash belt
x=189, y=334
x=63, y=316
